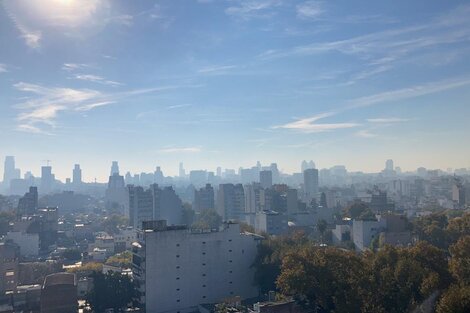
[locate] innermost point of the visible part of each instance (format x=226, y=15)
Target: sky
x=230, y=82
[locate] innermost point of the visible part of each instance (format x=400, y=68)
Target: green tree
x=123, y=259
x=112, y=223
x=355, y=210
x=324, y=279
x=460, y=261
x=208, y=219
x=455, y=300
x=111, y=291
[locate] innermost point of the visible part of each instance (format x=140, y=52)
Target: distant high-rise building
x=77, y=175
x=10, y=171
x=310, y=184
x=47, y=179
x=198, y=177
x=266, y=179
x=182, y=172
x=389, y=165
x=292, y=200
x=59, y=293
x=159, y=175
x=307, y=165
x=114, y=168
x=116, y=193
x=275, y=173
x=252, y=197
x=204, y=198
x=219, y=171
x=28, y=204
x=231, y=201
x=154, y=204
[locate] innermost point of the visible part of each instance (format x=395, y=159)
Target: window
x=9, y=273
x=203, y=297
x=204, y=275
x=230, y=261
x=177, y=278
x=177, y=244
x=230, y=272
x=178, y=300
x=230, y=250
x=177, y=255
x=230, y=240
x=203, y=253
x=230, y=282
x=203, y=286
x=203, y=264
x=177, y=289
x=203, y=242
x=178, y=267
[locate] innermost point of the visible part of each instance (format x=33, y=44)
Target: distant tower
x=77, y=175
x=310, y=184
x=9, y=170
x=389, y=165
x=182, y=172
x=114, y=168
x=266, y=179
x=47, y=179
x=219, y=171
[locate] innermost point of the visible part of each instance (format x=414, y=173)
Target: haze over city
x=228, y=83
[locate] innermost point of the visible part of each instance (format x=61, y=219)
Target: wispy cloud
x=43, y=108
x=216, y=69
x=70, y=67
x=181, y=150
x=249, y=9
x=365, y=134
x=410, y=92
x=178, y=106
x=310, y=125
x=387, y=120
x=3, y=68
x=97, y=79
x=310, y=9
x=31, y=37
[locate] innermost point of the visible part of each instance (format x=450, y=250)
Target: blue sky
x=229, y=82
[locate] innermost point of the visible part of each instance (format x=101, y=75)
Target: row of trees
x=393, y=279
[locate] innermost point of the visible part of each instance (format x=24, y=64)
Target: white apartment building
x=178, y=268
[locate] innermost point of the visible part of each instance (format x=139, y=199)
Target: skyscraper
x=77, y=175
x=9, y=170
x=310, y=184
x=28, y=204
x=182, y=172
x=266, y=179
x=114, y=168
x=389, y=165
x=47, y=179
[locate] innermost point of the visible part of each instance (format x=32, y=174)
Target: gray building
x=154, y=204
x=178, y=268
x=9, y=254
x=266, y=179
x=204, y=198
x=231, y=201
x=310, y=184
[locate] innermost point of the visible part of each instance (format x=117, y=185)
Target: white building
x=364, y=232
x=271, y=222
x=179, y=268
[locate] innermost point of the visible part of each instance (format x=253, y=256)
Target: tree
x=321, y=226
x=455, y=300
x=356, y=209
x=112, y=223
x=324, y=279
x=208, y=218
x=111, y=291
x=269, y=258
x=123, y=259
x=460, y=261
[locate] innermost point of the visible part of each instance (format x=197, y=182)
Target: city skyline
x=228, y=83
